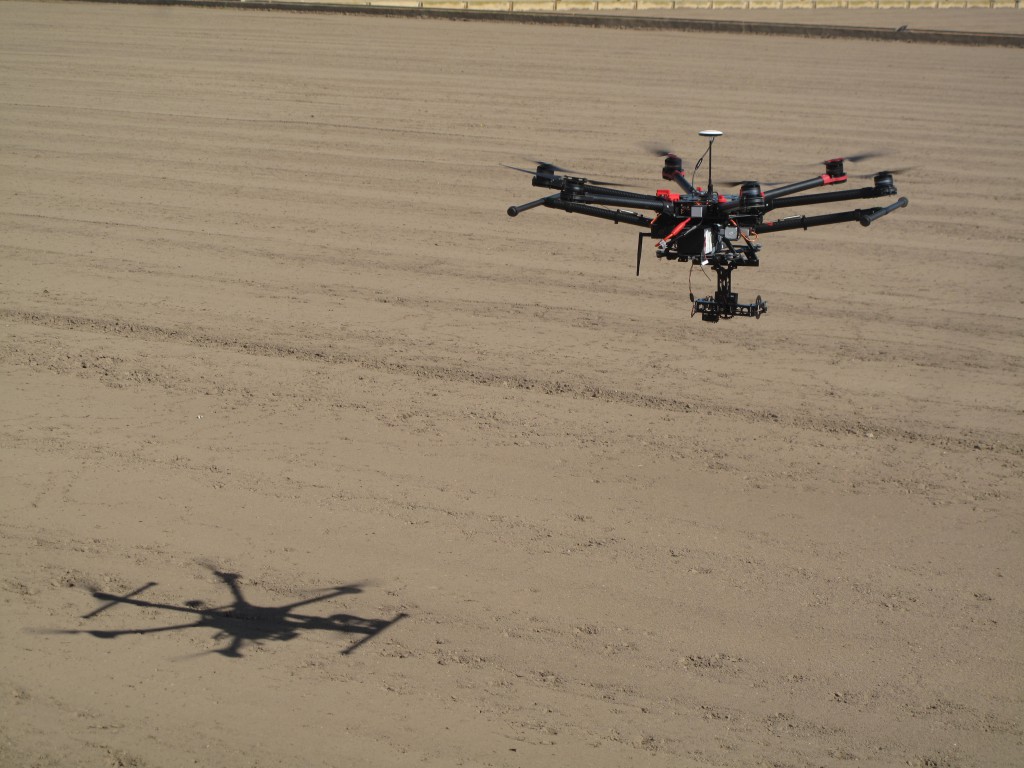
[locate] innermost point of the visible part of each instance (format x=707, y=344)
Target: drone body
x=707, y=228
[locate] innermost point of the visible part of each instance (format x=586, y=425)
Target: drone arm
x=646, y=202
x=834, y=197
x=680, y=178
x=619, y=217
x=800, y=186
x=805, y=222
x=515, y=210
x=578, y=190
x=865, y=217
x=577, y=185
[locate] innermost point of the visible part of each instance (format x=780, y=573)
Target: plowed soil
x=311, y=456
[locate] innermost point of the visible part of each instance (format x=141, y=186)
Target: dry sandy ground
x=312, y=456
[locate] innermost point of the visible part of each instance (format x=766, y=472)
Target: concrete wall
x=672, y=5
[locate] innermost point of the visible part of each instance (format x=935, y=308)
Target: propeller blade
x=863, y=156
x=516, y=168
x=551, y=166
x=891, y=172
x=658, y=150
x=734, y=183
x=551, y=169
x=857, y=158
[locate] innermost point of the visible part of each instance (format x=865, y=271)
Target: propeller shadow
x=240, y=623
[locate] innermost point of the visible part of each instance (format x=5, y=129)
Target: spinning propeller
x=548, y=170
x=891, y=172
x=856, y=158
x=833, y=167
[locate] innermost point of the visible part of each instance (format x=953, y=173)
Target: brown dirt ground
x=383, y=477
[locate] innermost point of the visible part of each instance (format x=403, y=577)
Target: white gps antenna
x=710, y=136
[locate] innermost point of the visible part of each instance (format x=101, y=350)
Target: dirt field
x=311, y=456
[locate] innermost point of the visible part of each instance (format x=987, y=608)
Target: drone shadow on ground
x=240, y=622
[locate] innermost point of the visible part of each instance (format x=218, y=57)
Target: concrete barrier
x=582, y=6
x=464, y=10
x=563, y=6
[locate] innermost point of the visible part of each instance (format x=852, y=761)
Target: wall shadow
x=239, y=622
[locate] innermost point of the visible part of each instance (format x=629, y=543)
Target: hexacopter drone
x=707, y=228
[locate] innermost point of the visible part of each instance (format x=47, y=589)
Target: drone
x=707, y=228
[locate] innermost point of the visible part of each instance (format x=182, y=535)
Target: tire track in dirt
x=492, y=378
x=983, y=341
